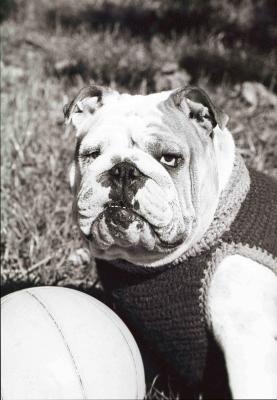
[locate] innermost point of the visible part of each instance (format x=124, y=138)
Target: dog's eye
x=169, y=160
x=91, y=154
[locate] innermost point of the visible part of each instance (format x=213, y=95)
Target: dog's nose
x=125, y=172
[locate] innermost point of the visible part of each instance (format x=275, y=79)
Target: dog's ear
x=87, y=101
x=198, y=106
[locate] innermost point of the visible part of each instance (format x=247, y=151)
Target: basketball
x=59, y=343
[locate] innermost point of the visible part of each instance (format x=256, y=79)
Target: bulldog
x=183, y=234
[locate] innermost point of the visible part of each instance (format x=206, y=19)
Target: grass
x=51, y=49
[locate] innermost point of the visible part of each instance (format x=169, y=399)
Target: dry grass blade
x=34, y=267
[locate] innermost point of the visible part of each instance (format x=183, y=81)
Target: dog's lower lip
x=120, y=205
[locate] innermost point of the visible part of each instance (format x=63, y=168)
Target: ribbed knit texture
x=167, y=306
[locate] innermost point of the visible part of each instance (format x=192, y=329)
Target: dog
x=184, y=235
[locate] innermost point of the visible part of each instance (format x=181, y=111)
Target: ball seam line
x=64, y=340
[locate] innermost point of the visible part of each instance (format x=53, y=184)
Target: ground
x=50, y=49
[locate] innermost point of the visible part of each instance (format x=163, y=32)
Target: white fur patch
x=243, y=307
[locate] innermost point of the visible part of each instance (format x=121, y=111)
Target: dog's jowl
x=184, y=235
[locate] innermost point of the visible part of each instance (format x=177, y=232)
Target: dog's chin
x=120, y=232
x=123, y=228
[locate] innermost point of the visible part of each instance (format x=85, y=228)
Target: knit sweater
x=168, y=305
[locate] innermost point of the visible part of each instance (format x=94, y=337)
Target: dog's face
x=145, y=175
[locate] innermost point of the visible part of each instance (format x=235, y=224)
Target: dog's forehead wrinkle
x=131, y=126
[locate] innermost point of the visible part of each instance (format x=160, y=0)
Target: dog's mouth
x=121, y=213
x=121, y=218
x=119, y=224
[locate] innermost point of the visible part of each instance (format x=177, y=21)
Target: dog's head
x=145, y=176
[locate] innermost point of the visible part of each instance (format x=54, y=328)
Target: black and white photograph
x=138, y=199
